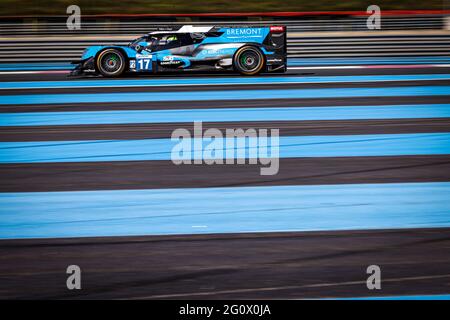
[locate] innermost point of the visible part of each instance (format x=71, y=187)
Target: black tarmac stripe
x=286, y=265
x=158, y=130
x=38, y=177
x=214, y=104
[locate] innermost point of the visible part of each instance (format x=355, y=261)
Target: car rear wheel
x=248, y=61
x=111, y=63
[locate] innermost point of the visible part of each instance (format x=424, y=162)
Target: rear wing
x=277, y=39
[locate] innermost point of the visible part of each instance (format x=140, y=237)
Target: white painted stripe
x=35, y=72
x=19, y=72
x=326, y=67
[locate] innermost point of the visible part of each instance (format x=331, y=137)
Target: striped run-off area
x=364, y=178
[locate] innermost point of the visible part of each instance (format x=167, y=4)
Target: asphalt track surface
x=148, y=229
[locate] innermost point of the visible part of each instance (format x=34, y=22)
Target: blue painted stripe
x=160, y=149
x=215, y=81
x=208, y=210
x=226, y=114
x=224, y=95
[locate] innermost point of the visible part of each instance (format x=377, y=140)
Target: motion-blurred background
x=37, y=31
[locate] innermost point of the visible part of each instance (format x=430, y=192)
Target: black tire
x=110, y=63
x=248, y=61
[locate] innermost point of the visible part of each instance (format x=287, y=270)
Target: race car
x=248, y=50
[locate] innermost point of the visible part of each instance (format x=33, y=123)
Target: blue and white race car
x=247, y=50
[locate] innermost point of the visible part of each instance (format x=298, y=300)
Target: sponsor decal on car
x=244, y=32
x=275, y=60
x=170, y=61
x=276, y=29
x=148, y=56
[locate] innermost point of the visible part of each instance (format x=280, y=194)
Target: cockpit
x=152, y=43
x=164, y=41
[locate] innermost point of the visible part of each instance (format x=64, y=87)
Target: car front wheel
x=111, y=63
